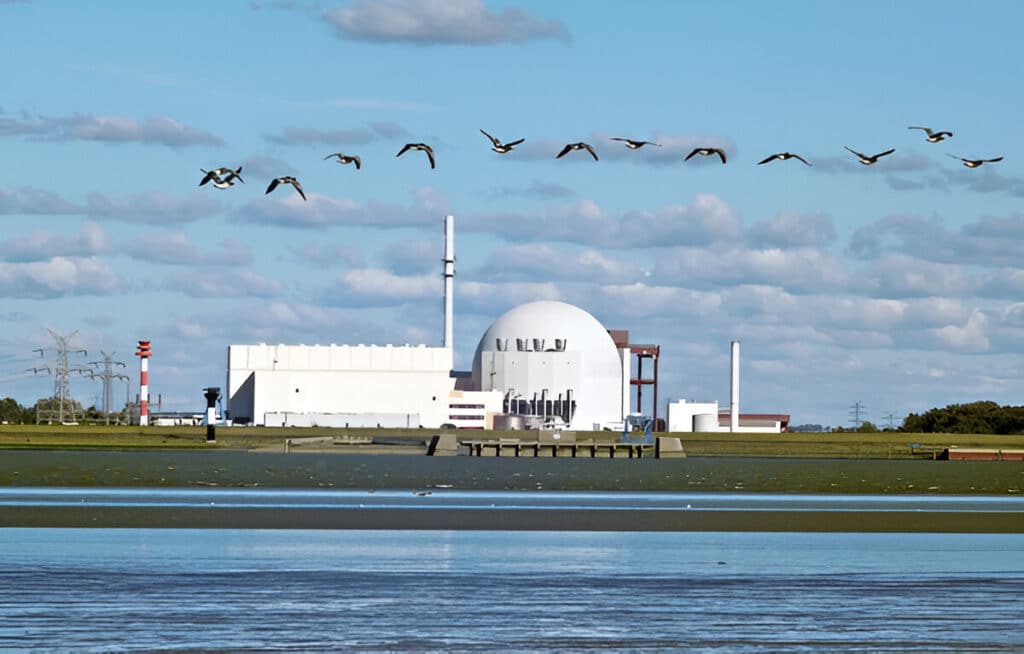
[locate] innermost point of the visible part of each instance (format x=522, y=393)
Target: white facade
x=393, y=384
x=683, y=416
x=548, y=352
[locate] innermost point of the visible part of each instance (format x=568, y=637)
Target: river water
x=249, y=590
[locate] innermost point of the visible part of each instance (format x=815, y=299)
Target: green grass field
x=882, y=445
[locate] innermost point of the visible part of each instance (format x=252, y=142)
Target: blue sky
x=897, y=285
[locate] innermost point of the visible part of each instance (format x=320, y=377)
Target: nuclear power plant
x=541, y=365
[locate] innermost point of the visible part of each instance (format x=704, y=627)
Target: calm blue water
x=107, y=590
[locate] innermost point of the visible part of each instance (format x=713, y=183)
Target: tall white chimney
x=449, y=279
x=734, y=395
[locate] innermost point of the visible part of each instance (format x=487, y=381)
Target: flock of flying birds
x=225, y=177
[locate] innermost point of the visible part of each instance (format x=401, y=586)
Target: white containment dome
x=552, y=360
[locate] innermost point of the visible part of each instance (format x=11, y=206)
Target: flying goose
x=634, y=144
x=866, y=160
x=286, y=180
x=498, y=146
x=707, y=152
x=933, y=137
x=576, y=146
x=782, y=156
x=418, y=146
x=974, y=163
x=222, y=177
x=346, y=159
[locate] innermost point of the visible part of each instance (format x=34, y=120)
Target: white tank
x=705, y=422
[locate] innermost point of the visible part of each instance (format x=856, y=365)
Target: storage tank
x=705, y=422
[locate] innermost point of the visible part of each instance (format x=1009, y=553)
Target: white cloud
x=970, y=337
x=436, y=22
x=159, y=130
x=322, y=211
x=57, y=277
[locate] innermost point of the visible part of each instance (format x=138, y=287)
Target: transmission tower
x=61, y=407
x=856, y=410
x=890, y=418
x=108, y=376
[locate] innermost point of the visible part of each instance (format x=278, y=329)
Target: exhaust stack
x=449, y=279
x=734, y=395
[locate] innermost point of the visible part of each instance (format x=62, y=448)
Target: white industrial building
x=541, y=364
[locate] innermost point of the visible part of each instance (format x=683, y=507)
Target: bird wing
x=430, y=155
x=273, y=185
x=336, y=154
x=586, y=146
x=992, y=160
x=691, y=154
x=298, y=188
x=950, y=134
x=796, y=156
x=882, y=154
x=767, y=159
x=511, y=144
x=857, y=153
x=495, y=141
x=357, y=162
x=404, y=149
x=721, y=153
x=955, y=157
x=209, y=175
x=565, y=150
x=927, y=130
x=617, y=138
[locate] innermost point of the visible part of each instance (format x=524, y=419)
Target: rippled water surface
x=266, y=590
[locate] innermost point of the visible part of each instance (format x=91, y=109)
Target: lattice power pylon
x=61, y=407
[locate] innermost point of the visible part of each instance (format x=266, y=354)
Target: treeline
x=14, y=414
x=973, y=418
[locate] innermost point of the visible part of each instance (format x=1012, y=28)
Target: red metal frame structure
x=641, y=351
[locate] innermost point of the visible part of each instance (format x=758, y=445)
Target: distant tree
x=983, y=417
x=13, y=413
x=808, y=428
x=867, y=427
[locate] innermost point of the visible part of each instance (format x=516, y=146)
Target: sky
x=898, y=286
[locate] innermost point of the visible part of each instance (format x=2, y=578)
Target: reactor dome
x=552, y=351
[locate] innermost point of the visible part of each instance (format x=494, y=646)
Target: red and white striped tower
x=144, y=353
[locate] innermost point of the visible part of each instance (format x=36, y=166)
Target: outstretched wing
x=721, y=153
x=430, y=155
x=796, y=156
x=273, y=185
x=404, y=149
x=298, y=188
x=564, y=151
x=992, y=160
x=767, y=159
x=357, y=161
x=887, y=152
x=512, y=144
x=856, y=153
x=586, y=146
x=336, y=154
x=495, y=141
x=695, y=152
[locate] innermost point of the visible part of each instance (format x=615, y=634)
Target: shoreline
x=244, y=469
x=240, y=470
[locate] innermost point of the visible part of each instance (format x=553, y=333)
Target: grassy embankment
x=882, y=445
